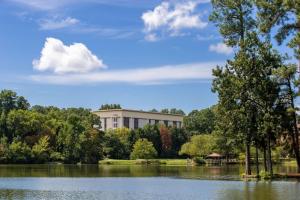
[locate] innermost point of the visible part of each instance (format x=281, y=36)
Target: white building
x=133, y=119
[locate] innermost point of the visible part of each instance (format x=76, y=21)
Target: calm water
x=139, y=182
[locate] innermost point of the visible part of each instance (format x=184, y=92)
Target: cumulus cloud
x=55, y=23
x=172, y=17
x=141, y=76
x=221, y=48
x=60, y=59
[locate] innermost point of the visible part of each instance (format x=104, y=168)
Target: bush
x=19, y=152
x=56, y=156
x=200, y=145
x=199, y=161
x=143, y=149
x=40, y=150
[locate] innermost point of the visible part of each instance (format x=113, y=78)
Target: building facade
x=133, y=119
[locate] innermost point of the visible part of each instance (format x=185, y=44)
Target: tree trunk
x=295, y=134
x=247, y=160
x=265, y=158
x=295, y=146
x=269, y=154
x=256, y=160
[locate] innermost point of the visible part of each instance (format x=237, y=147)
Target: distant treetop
x=169, y=111
x=110, y=106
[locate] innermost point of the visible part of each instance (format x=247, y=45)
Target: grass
x=168, y=162
x=290, y=163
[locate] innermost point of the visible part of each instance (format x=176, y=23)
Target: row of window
x=126, y=122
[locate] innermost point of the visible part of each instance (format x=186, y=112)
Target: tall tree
x=235, y=19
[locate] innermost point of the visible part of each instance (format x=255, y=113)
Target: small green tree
x=40, y=150
x=200, y=145
x=19, y=152
x=143, y=149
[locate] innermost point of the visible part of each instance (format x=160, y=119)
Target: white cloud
x=152, y=37
x=172, y=17
x=61, y=59
x=142, y=76
x=55, y=23
x=221, y=48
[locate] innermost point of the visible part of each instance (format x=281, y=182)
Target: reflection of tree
x=249, y=191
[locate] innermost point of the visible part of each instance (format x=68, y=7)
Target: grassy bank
x=169, y=162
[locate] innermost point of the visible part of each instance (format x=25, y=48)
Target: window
x=179, y=124
x=115, y=122
x=156, y=122
x=105, y=123
x=174, y=123
x=166, y=123
x=136, y=123
x=126, y=122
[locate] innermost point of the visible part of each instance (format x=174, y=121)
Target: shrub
x=199, y=161
x=19, y=152
x=143, y=149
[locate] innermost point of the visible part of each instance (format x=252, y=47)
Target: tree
x=284, y=15
x=166, y=141
x=199, y=146
x=126, y=137
x=153, y=110
x=176, y=111
x=289, y=84
x=179, y=136
x=165, y=110
x=114, y=148
x=22, y=123
x=41, y=150
x=91, y=149
x=235, y=21
x=110, y=106
x=199, y=122
x=10, y=101
x=19, y=152
x=143, y=149
x=151, y=133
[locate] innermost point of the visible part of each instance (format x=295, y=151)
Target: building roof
x=214, y=155
x=140, y=111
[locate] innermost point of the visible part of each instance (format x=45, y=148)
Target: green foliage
x=202, y=121
x=283, y=16
x=110, y=106
x=19, y=152
x=151, y=133
x=172, y=111
x=91, y=150
x=179, y=136
x=49, y=134
x=199, y=160
x=40, y=150
x=200, y=145
x=114, y=148
x=143, y=149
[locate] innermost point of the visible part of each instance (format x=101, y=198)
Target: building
x=133, y=119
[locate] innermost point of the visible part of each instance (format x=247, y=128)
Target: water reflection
x=229, y=172
x=144, y=188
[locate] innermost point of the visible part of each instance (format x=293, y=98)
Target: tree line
x=38, y=134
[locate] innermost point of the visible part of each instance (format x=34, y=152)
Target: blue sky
x=142, y=54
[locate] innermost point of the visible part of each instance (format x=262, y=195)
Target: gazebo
x=214, y=158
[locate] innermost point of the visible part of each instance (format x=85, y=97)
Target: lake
x=139, y=182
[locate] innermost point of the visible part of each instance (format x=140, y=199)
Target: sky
x=142, y=54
